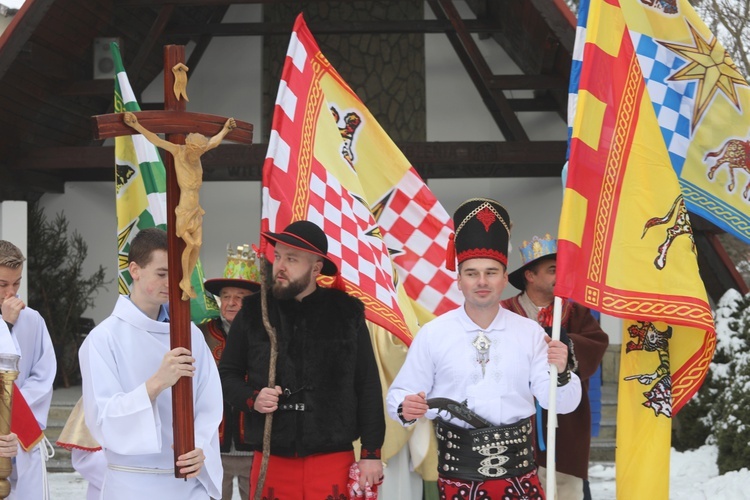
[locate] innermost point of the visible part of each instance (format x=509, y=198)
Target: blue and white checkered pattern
x=575, y=69
x=673, y=101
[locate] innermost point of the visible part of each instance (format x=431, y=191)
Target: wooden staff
x=271, y=375
x=552, y=409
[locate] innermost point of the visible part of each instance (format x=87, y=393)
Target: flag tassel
x=450, y=253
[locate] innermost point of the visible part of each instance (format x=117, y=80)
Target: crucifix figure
x=176, y=123
x=189, y=171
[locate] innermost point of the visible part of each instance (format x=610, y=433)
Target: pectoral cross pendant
x=482, y=345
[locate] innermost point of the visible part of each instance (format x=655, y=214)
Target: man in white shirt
x=491, y=363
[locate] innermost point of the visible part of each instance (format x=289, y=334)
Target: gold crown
x=242, y=263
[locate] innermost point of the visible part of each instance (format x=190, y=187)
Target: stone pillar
x=386, y=71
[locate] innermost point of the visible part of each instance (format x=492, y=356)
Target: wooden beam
x=207, y=3
x=170, y=122
x=527, y=82
x=20, y=29
x=244, y=163
x=204, y=40
x=543, y=102
x=327, y=28
x=103, y=87
x=15, y=185
x=479, y=71
x=149, y=43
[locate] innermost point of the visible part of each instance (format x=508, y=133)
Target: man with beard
x=328, y=390
x=587, y=343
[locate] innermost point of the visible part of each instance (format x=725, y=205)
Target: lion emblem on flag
x=735, y=153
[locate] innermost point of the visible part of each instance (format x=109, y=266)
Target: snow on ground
x=694, y=476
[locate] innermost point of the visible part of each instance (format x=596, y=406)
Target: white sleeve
x=209, y=410
x=127, y=423
x=8, y=341
x=567, y=397
x=92, y=465
x=37, y=387
x=415, y=376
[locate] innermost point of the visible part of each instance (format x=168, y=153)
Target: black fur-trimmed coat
x=325, y=363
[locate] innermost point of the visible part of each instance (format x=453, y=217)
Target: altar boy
x=127, y=368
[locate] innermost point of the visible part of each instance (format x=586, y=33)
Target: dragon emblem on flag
x=735, y=153
x=650, y=339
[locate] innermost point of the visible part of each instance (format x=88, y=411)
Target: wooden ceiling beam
x=202, y=43
x=541, y=102
x=327, y=28
x=155, y=32
x=242, y=162
x=17, y=33
x=527, y=82
x=479, y=71
x=15, y=185
x=206, y=3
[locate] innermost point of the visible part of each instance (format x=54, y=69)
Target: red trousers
x=316, y=477
x=524, y=487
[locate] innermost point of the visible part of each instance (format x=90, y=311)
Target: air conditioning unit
x=104, y=65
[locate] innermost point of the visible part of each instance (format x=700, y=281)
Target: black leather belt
x=292, y=407
x=496, y=452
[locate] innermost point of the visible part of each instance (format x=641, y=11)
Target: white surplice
x=92, y=465
x=36, y=374
x=117, y=358
x=8, y=342
x=442, y=362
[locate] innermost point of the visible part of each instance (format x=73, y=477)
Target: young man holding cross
x=127, y=367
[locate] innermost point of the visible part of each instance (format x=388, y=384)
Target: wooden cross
x=175, y=123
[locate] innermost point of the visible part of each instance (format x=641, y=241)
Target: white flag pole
x=551, y=492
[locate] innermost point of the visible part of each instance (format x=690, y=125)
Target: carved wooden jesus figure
x=189, y=172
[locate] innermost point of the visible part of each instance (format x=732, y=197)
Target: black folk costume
x=496, y=372
x=328, y=372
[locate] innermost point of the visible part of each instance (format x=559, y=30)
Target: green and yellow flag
x=141, y=194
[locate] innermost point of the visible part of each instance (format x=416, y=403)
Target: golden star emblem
x=710, y=64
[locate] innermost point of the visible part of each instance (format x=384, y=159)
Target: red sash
x=23, y=422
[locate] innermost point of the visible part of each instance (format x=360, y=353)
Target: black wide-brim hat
x=306, y=236
x=482, y=230
x=215, y=285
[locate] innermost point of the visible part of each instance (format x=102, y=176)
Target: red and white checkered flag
x=331, y=163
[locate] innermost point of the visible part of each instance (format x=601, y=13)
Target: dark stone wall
x=387, y=71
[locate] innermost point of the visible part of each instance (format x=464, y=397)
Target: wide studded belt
x=488, y=453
